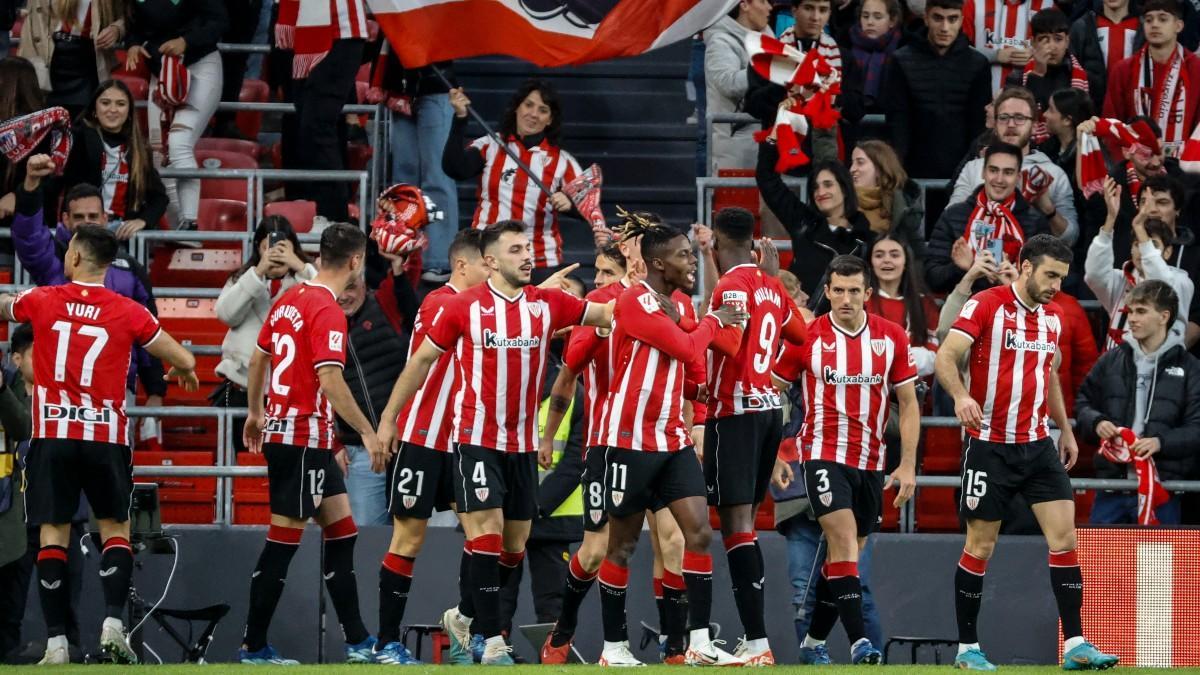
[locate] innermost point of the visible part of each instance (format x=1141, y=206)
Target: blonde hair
x=887, y=166
x=107, y=12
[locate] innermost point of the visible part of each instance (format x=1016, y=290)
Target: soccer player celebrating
x=303, y=343
x=423, y=466
x=649, y=460
x=742, y=434
x=80, y=430
x=500, y=332
x=1012, y=334
x=850, y=364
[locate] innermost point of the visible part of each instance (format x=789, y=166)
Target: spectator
x=1052, y=67
x=792, y=285
x=898, y=294
x=1101, y=52
x=378, y=338
x=242, y=23
x=109, y=151
x=937, y=91
x=1138, y=85
x=15, y=417
x=982, y=273
x=1001, y=31
x=421, y=118
x=276, y=263
x=1076, y=347
x=532, y=126
x=174, y=32
x=891, y=202
x=1043, y=186
x=726, y=79
x=40, y=250
x=19, y=96
x=874, y=38
x=1151, y=385
x=829, y=225
x=327, y=52
x=71, y=43
x=1152, y=247
x=996, y=218
x=1066, y=109
x=763, y=97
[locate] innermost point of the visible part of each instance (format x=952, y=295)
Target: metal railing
x=748, y=119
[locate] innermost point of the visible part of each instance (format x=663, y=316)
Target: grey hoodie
x=725, y=83
x=1146, y=366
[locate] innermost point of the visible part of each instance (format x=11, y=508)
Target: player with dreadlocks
x=649, y=460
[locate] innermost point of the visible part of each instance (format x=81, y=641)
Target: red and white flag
x=543, y=32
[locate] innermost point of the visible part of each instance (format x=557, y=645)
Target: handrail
x=279, y=107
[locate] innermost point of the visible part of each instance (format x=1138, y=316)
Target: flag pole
x=496, y=137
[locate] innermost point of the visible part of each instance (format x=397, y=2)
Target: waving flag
x=543, y=32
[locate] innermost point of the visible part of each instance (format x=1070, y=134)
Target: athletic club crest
x=595, y=515
x=535, y=309
x=878, y=346
x=826, y=498
x=481, y=494
x=972, y=502
x=409, y=501
x=617, y=496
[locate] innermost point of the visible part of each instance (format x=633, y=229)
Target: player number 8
x=596, y=495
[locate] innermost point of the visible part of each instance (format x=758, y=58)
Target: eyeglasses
x=1013, y=119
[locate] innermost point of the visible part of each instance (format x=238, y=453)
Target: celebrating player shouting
x=850, y=364
x=303, y=341
x=500, y=333
x=1012, y=334
x=649, y=461
x=745, y=420
x=80, y=431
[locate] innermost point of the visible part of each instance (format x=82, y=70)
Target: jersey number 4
x=99, y=338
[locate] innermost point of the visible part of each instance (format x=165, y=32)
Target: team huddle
x=682, y=412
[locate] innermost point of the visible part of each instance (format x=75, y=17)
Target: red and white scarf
x=1164, y=105
x=174, y=82
x=1120, y=313
x=1005, y=226
x=318, y=23
x=1078, y=81
x=783, y=63
x=1150, y=492
x=19, y=136
x=1092, y=168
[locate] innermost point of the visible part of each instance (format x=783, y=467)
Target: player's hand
x=387, y=437
x=343, y=461
x=560, y=201
x=1068, y=449
x=174, y=47
x=1107, y=430
x=730, y=316
x=459, y=101
x=1146, y=447
x=36, y=168
x=184, y=378
x=697, y=435
x=559, y=279
x=668, y=307
x=904, y=478
x=768, y=256
x=782, y=475
x=545, y=452
x=252, y=433
x=378, y=451
x=968, y=412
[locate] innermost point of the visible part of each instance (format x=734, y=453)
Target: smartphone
x=996, y=247
x=276, y=237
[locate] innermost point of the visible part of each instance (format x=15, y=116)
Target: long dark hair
x=266, y=226
x=20, y=95
x=912, y=289
x=508, y=123
x=844, y=181
x=141, y=162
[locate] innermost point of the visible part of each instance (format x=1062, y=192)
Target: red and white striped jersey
x=501, y=345
x=847, y=380
x=304, y=331
x=1116, y=39
x=85, y=336
x=426, y=419
x=658, y=364
x=590, y=353
x=1012, y=352
x=506, y=193
x=348, y=18
x=115, y=170
x=993, y=24
x=740, y=362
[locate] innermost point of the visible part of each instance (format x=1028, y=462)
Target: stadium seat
x=251, y=496
x=746, y=197
x=943, y=451
x=182, y=499
x=222, y=215
x=937, y=510
x=140, y=88
x=215, y=188
x=194, y=268
x=250, y=122
x=238, y=145
x=299, y=212
x=358, y=156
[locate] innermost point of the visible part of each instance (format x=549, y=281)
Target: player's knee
x=621, y=552
x=697, y=539
x=590, y=557
x=980, y=548
x=1065, y=541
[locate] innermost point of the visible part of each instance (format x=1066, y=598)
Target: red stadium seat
x=943, y=451
x=251, y=496
x=250, y=122
x=194, y=268
x=299, y=212
x=358, y=156
x=215, y=188
x=183, y=499
x=236, y=145
x=222, y=215
x=937, y=510
x=140, y=88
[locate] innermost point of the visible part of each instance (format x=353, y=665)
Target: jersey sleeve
x=644, y=320
x=971, y=318
x=327, y=337
x=581, y=348
x=790, y=363
x=904, y=365
x=146, y=328
x=565, y=309
x=27, y=303
x=444, y=329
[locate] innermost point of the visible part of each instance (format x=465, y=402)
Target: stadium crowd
x=1067, y=137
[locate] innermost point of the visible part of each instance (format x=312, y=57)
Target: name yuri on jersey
x=82, y=311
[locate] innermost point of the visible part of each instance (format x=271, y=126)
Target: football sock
x=466, y=604
x=509, y=564
x=395, y=580
x=485, y=584
x=968, y=596
x=1067, y=581
x=846, y=588
x=746, y=575
x=339, y=540
x=266, y=584
x=579, y=582
x=116, y=567
x=659, y=604
x=53, y=588
x=614, y=580
x=675, y=612
x=697, y=576
x=825, y=612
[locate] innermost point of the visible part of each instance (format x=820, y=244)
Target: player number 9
x=766, y=343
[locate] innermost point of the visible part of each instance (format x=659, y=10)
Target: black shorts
x=594, y=515
x=56, y=470
x=635, y=480
x=420, y=480
x=739, y=454
x=833, y=487
x=994, y=472
x=299, y=478
x=490, y=479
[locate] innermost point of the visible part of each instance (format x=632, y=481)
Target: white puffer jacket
x=243, y=306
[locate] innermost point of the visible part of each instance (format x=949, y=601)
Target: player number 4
x=975, y=484
x=478, y=475
x=99, y=339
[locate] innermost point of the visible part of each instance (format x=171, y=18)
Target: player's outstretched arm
x=334, y=387
x=256, y=380
x=945, y=366
x=406, y=386
x=598, y=315
x=905, y=475
x=561, y=394
x=183, y=364
x=6, y=302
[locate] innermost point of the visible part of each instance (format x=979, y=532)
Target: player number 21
x=406, y=476
x=99, y=339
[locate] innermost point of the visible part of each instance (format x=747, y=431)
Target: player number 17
x=99, y=339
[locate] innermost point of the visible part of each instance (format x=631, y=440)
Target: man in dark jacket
x=985, y=218
x=1053, y=63
x=1151, y=385
x=938, y=88
x=1122, y=26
